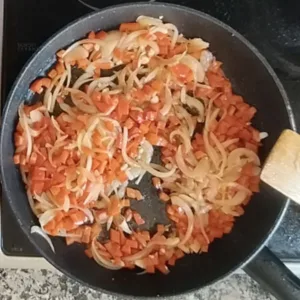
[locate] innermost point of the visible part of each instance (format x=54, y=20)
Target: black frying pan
x=253, y=78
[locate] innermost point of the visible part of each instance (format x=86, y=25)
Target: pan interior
x=250, y=77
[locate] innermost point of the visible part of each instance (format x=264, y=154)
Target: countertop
x=41, y=284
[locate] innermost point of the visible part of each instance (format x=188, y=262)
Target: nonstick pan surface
x=251, y=77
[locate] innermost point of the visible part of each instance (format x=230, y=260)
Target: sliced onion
x=69, y=75
x=38, y=230
x=151, y=75
x=122, y=189
x=35, y=115
x=195, y=66
x=197, y=44
x=66, y=205
x=24, y=124
x=182, y=113
x=198, y=105
x=101, y=260
x=44, y=200
x=212, y=189
x=124, y=226
x=169, y=242
x=131, y=38
x=133, y=79
x=201, y=223
x=211, y=152
x=109, y=223
x=94, y=193
x=63, y=233
x=191, y=159
x=202, y=169
x=86, y=211
x=121, y=77
x=190, y=201
x=56, y=125
x=237, y=199
x=181, y=163
x=110, y=44
x=81, y=94
x=234, y=157
x=156, y=173
x=23, y=175
x=76, y=54
x=139, y=255
x=263, y=135
x=184, y=134
x=84, y=78
x=31, y=202
x=227, y=143
x=190, y=216
x=47, y=216
x=239, y=187
x=145, y=21
x=183, y=95
x=232, y=174
x=84, y=41
x=171, y=61
x=58, y=89
x=172, y=27
x=206, y=59
x=68, y=109
x=48, y=98
x=222, y=152
x=126, y=158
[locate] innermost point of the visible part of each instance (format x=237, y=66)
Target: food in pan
x=109, y=101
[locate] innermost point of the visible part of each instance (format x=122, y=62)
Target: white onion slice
x=181, y=112
x=202, y=169
x=148, y=21
x=126, y=158
x=57, y=90
x=124, y=226
x=227, y=143
x=235, y=156
x=263, y=135
x=38, y=230
x=86, y=211
x=101, y=260
x=181, y=163
x=184, y=134
x=222, y=152
x=197, y=104
x=195, y=66
x=197, y=44
x=237, y=199
x=156, y=173
x=211, y=152
x=76, y=54
x=181, y=203
x=139, y=255
x=24, y=124
x=35, y=115
x=47, y=216
x=206, y=59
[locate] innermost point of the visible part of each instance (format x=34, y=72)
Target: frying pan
x=244, y=247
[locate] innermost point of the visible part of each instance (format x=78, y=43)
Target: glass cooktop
x=273, y=26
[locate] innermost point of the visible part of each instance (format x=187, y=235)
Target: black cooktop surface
x=273, y=26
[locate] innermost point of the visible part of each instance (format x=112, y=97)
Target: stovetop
x=273, y=26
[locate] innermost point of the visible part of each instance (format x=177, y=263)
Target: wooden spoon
x=282, y=167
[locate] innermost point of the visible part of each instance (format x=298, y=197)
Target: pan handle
x=270, y=272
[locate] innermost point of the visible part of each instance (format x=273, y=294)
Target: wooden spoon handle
x=282, y=167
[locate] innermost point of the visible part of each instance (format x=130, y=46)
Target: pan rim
x=179, y=8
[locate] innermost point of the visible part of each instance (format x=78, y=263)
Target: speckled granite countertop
x=42, y=284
